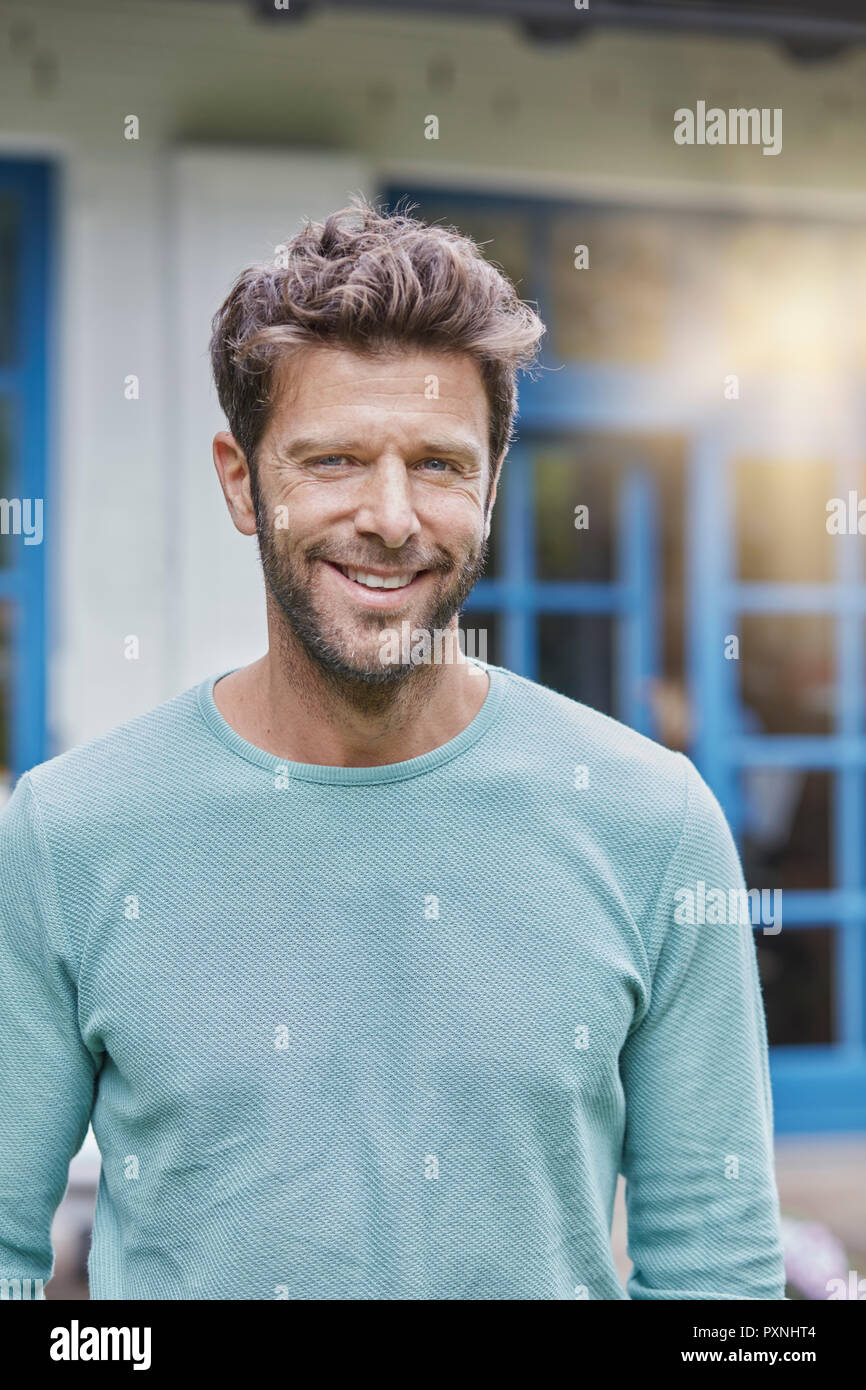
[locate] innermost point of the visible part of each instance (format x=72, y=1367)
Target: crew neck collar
x=355, y=776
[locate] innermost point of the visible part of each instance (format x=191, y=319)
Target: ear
x=230, y=462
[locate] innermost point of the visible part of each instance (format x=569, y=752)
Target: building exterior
x=702, y=398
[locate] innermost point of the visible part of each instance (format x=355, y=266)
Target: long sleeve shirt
x=384, y=1032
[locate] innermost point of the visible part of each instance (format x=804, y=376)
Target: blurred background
x=703, y=396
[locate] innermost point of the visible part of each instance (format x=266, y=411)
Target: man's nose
x=387, y=508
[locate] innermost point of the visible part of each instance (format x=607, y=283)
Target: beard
x=349, y=661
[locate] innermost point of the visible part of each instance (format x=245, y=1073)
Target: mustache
x=390, y=560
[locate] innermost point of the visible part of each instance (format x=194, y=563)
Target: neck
x=288, y=705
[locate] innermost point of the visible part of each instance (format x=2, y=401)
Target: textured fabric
x=382, y=1033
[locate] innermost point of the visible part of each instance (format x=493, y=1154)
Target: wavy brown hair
x=376, y=283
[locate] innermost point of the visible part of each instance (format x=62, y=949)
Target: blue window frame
x=25, y=210
x=521, y=599
x=815, y=1088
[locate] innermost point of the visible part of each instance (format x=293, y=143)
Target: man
x=365, y=965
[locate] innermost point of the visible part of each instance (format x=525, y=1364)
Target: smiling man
x=375, y=507
x=366, y=970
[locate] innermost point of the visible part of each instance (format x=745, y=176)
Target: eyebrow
x=454, y=447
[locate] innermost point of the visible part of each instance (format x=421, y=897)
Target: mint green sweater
x=382, y=1033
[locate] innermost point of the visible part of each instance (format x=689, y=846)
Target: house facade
x=664, y=546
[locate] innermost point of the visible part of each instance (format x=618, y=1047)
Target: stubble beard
x=363, y=681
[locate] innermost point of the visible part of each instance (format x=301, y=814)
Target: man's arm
x=703, y=1216
x=47, y=1074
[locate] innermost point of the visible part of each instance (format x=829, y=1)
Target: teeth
x=376, y=581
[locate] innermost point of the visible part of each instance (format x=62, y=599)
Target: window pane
x=786, y=827
x=782, y=306
x=781, y=518
x=618, y=310
x=575, y=657
x=495, y=548
x=787, y=673
x=797, y=972
x=5, y=701
x=9, y=256
x=7, y=486
x=587, y=474
x=590, y=469
x=483, y=635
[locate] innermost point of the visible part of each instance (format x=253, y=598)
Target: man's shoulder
x=561, y=734
x=118, y=760
x=614, y=795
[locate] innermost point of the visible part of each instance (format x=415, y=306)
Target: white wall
x=108, y=471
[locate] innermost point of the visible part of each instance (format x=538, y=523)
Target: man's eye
x=330, y=459
x=431, y=463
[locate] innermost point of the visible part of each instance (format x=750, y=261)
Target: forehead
x=338, y=382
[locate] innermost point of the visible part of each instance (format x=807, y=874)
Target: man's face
x=373, y=469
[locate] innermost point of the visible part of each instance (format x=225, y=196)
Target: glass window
x=483, y=635
x=583, y=474
x=5, y=701
x=9, y=276
x=781, y=308
x=797, y=972
x=787, y=818
x=589, y=470
x=493, y=567
x=617, y=311
x=575, y=657
x=787, y=669
x=24, y=191
x=781, y=520
x=7, y=488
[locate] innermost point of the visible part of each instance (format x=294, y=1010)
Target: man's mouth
x=379, y=581
x=377, y=588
